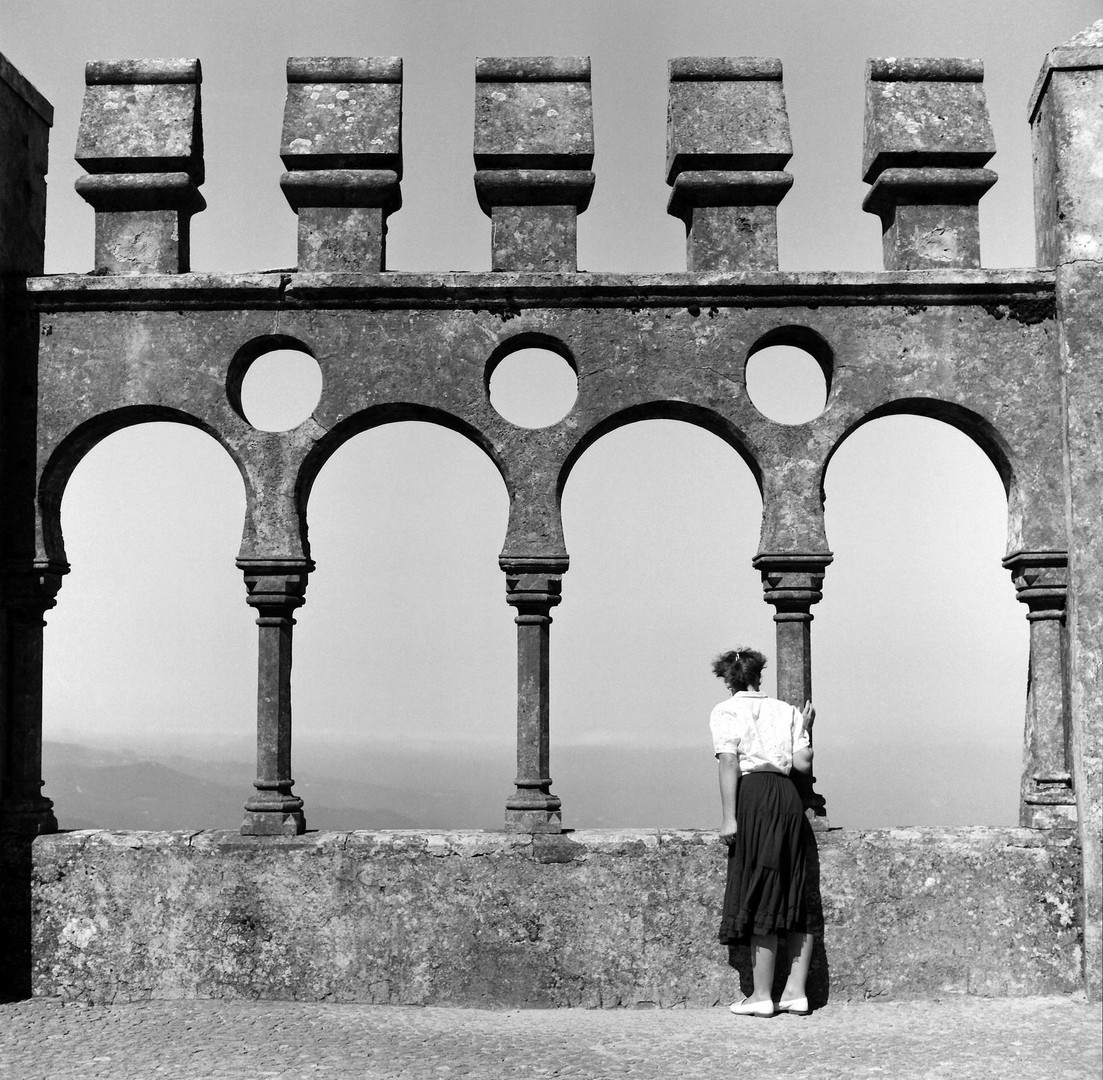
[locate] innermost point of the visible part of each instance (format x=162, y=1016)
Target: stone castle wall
x=601, y=918
x=535, y=916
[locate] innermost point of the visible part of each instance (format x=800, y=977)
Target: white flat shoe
x=797, y=1006
x=752, y=1008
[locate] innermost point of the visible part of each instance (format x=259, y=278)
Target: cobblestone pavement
x=959, y=1038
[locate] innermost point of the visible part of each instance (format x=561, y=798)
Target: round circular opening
x=786, y=384
x=281, y=389
x=533, y=388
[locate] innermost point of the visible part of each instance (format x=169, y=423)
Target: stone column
x=276, y=588
x=927, y=138
x=1066, y=116
x=27, y=595
x=791, y=584
x=141, y=141
x=1041, y=582
x=727, y=142
x=533, y=588
x=27, y=588
x=342, y=146
x=534, y=145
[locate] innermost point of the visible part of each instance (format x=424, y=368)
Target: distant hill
x=101, y=789
x=363, y=786
x=379, y=788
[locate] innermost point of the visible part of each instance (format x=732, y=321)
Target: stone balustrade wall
x=590, y=918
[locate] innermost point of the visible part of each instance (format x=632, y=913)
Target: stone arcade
x=1013, y=358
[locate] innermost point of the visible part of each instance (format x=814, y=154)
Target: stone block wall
x=595, y=919
x=25, y=119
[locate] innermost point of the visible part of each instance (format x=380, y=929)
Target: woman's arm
x=729, y=789
x=802, y=755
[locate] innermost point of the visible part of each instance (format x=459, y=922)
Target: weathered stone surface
x=342, y=239
x=949, y=345
x=141, y=139
x=343, y=113
x=533, y=590
x=276, y=588
x=927, y=136
x=1067, y=120
x=534, y=145
x=726, y=113
x=533, y=237
x=925, y=111
x=533, y=112
x=1041, y=581
x=141, y=116
x=342, y=145
x=589, y=918
x=720, y=237
x=726, y=144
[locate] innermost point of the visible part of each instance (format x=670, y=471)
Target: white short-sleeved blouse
x=761, y=731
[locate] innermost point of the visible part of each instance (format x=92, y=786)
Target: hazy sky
x=919, y=647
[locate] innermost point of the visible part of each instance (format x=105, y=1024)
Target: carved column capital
x=792, y=582
x=30, y=589
x=1041, y=581
x=276, y=583
x=533, y=586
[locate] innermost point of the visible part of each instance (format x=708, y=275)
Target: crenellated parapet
x=141, y=142
x=534, y=145
x=927, y=141
x=727, y=144
x=342, y=147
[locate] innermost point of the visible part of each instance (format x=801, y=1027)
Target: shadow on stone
x=15, y=917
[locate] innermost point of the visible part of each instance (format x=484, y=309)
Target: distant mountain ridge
x=364, y=786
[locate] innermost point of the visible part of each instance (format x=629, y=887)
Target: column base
x=532, y=809
x=534, y=821
x=28, y=819
x=1048, y=815
x=273, y=823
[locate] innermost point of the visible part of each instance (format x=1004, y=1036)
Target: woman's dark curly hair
x=740, y=668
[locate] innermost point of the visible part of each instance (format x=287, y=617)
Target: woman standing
x=758, y=741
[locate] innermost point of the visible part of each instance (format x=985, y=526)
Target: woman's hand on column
x=809, y=714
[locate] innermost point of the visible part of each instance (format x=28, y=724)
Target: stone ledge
x=468, y=842
x=602, y=917
x=391, y=289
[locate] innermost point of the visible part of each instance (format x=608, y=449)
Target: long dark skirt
x=766, y=864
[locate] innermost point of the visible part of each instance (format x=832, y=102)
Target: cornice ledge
x=287, y=289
